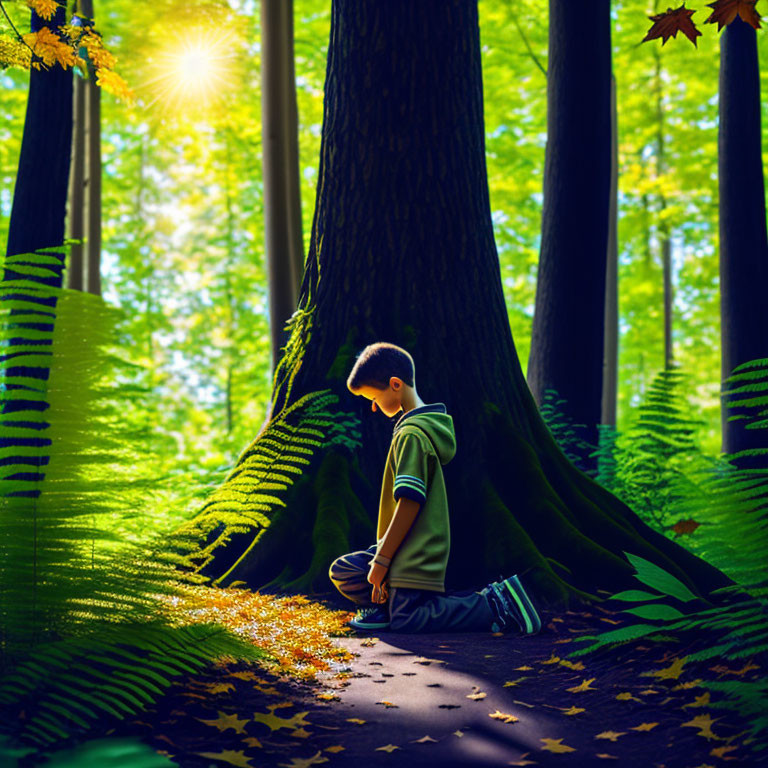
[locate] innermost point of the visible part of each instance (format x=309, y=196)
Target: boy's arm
x=405, y=513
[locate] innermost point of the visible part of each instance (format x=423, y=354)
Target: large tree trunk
x=402, y=250
x=743, y=240
x=567, y=335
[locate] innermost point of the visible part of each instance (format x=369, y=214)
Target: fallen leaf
x=573, y=710
x=388, y=748
x=643, y=727
x=699, y=701
x=506, y=717
x=552, y=659
x=691, y=684
x=605, y=755
x=720, y=751
x=387, y=704
x=627, y=696
x=577, y=665
x=301, y=733
x=229, y=756
x=424, y=740
x=652, y=690
x=275, y=723
x=246, y=674
x=369, y=642
x=671, y=672
x=458, y=733
x=609, y=621
x=356, y=720
x=510, y=683
x=477, y=696
x=335, y=748
x=305, y=762
x=524, y=668
x=556, y=745
x=329, y=696
x=219, y=687
x=224, y=722
x=522, y=760
x=723, y=670
x=704, y=723
x=584, y=685
x=610, y=735
x=252, y=741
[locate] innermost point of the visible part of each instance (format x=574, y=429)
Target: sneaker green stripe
x=523, y=610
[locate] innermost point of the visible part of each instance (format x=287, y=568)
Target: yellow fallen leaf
x=219, y=687
x=511, y=683
x=298, y=762
x=224, y=722
x=605, y=755
x=626, y=696
x=524, y=668
x=556, y=745
x=704, y=723
x=643, y=727
x=477, y=696
x=356, y=720
x=720, y=751
x=577, y=665
x=506, y=717
x=387, y=703
x=335, y=748
x=369, y=642
x=699, y=701
x=610, y=621
x=230, y=756
x=522, y=760
x=584, y=685
x=691, y=684
x=328, y=696
x=610, y=735
x=552, y=659
x=648, y=691
x=573, y=710
x=252, y=741
x=672, y=672
x=275, y=723
x=388, y=748
x=246, y=674
x=424, y=740
x=458, y=733
x=301, y=733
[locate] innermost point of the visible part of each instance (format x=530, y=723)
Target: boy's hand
x=376, y=576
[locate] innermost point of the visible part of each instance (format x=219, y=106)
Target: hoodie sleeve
x=411, y=475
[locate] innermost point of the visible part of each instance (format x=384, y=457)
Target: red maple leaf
x=669, y=23
x=725, y=11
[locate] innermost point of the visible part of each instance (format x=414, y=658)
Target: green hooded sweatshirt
x=423, y=440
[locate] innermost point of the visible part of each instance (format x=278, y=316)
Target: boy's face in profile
x=388, y=401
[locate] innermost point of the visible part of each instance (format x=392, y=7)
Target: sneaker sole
x=530, y=615
x=379, y=625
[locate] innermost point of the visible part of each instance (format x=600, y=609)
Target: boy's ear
x=395, y=383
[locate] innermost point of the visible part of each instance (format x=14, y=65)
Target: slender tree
x=280, y=151
x=402, y=250
x=567, y=338
x=743, y=240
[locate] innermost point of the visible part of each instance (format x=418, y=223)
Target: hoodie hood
x=438, y=425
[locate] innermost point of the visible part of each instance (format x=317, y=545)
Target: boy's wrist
x=382, y=560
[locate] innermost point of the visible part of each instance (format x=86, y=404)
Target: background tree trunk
x=743, y=240
x=611, y=340
x=280, y=152
x=567, y=335
x=402, y=250
x=76, y=199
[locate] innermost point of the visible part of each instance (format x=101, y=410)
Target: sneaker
x=372, y=617
x=512, y=606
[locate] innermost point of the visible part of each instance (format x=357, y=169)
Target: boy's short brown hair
x=377, y=363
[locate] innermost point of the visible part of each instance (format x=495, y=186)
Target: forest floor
x=468, y=699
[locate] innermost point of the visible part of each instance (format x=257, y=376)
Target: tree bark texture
x=567, y=336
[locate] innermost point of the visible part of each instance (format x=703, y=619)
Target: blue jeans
x=413, y=610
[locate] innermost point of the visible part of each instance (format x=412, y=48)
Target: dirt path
x=470, y=699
